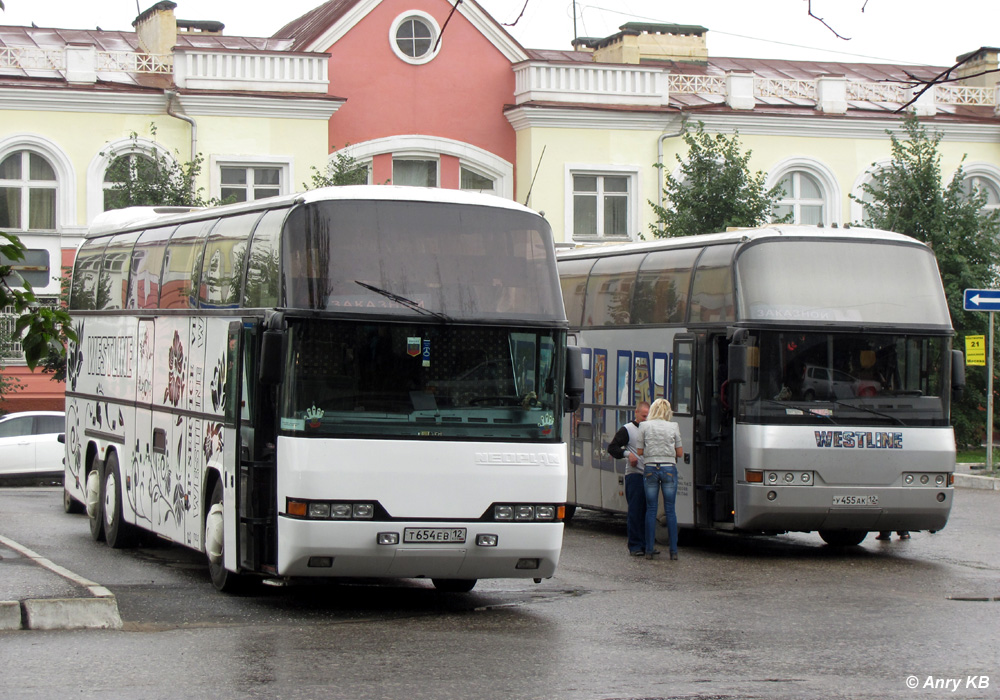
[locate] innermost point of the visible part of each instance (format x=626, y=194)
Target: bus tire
x=843, y=538
x=454, y=585
x=71, y=505
x=215, y=528
x=117, y=533
x=95, y=500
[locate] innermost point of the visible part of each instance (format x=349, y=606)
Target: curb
x=100, y=611
x=972, y=481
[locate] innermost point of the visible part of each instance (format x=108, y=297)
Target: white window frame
x=423, y=158
x=436, y=38
x=866, y=178
x=99, y=164
x=829, y=187
x=433, y=147
x=984, y=171
x=60, y=163
x=216, y=163
x=601, y=170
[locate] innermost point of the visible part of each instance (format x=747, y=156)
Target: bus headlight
x=328, y=510
x=526, y=512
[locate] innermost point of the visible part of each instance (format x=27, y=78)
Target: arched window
x=803, y=198
x=135, y=167
x=28, y=187
x=811, y=194
x=985, y=185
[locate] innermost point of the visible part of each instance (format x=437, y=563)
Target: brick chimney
x=639, y=41
x=983, y=59
x=157, y=28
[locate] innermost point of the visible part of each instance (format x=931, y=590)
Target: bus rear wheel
x=454, y=585
x=117, y=533
x=95, y=510
x=843, y=538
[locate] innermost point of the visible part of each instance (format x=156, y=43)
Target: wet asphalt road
x=784, y=617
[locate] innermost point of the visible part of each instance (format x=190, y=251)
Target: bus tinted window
x=712, y=291
x=661, y=290
x=114, y=271
x=262, y=267
x=147, y=259
x=609, y=291
x=573, y=278
x=395, y=256
x=225, y=261
x=182, y=265
x=876, y=283
x=86, y=272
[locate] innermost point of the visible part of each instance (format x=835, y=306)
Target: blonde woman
x=659, y=445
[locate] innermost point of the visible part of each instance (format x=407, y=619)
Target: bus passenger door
x=688, y=503
x=256, y=482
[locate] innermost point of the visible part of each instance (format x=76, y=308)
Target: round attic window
x=413, y=37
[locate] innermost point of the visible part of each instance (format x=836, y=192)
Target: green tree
x=715, y=189
x=907, y=196
x=146, y=178
x=343, y=170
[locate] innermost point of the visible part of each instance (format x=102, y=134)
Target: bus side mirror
x=574, y=378
x=957, y=375
x=272, y=358
x=737, y=364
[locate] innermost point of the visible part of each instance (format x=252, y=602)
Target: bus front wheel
x=843, y=538
x=454, y=585
x=215, y=528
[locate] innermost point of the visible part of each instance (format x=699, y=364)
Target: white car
x=29, y=443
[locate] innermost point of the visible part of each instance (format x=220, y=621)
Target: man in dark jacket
x=622, y=446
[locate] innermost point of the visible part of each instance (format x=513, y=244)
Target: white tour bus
x=810, y=371
x=350, y=382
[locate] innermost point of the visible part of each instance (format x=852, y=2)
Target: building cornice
x=209, y=104
x=262, y=107
x=810, y=126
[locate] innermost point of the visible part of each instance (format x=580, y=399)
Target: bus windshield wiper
x=871, y=410
x=808, y=411
x=403, y=301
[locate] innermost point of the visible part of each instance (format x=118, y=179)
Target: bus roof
x=736, y=236
x=133, y=218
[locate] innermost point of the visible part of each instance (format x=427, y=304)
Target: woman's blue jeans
x=657, y=479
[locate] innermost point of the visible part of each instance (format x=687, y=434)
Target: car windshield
x=408, y=380
x=845, y=379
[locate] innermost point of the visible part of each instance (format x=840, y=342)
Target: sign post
x=986, y=300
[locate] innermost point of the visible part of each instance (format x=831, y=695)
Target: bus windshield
x=400, y=257
x=414, y=380
x=801, y=377
x=840, y=282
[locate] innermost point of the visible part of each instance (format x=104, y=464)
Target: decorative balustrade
x=191, y=68
x=634, y=85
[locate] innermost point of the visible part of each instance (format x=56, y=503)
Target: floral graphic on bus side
x=175, y=359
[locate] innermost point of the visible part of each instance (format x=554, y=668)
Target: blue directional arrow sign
x=982, y=300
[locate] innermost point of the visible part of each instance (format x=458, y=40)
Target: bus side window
x=86, y=271
x=712, y=295
x=661, y=290
x=683, y=376
x=182, y=266
x=573, y=279
x=225, y=262
x=113, y=282
x=263, y=277
x=609, y=291
x=147, y=261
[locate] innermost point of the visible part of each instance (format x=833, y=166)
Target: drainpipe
x=170, y=95
x=659, y=155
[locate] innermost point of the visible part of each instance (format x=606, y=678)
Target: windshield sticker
x=427, y=352
x=293, y=424
x=313, y=416
x=413, y=346
x=846, y=438
x=545, y=423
